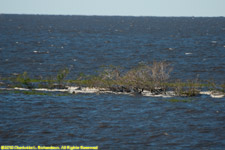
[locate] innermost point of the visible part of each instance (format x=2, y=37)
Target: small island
x=152, y=79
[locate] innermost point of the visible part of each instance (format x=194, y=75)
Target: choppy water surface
x=112, y=121
x=45, y=44
x=42, y=45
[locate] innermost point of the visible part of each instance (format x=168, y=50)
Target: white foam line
x=213, y=94
x=7, y=89
x=217, y=96
x=21, y=89
x=86, y=90
x=206, y=92
x=51, y=90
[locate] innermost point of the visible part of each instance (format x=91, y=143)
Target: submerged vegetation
x=153, y=77
x=180, y=100
x=33, y=92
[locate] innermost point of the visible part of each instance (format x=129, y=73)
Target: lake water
x=41, y=45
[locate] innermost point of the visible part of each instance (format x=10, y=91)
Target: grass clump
x=188, y=88
x=61, y=76
x=23, y=80
x=106, y=77
x=213, y=87
x=223, y=87
x=32, y=92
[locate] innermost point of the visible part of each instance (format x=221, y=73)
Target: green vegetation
x=180, y=100
x=62, y=75
x=23, y=80
x=33, y=93
x=154, y=77
x=223, y=87
x=188, y=88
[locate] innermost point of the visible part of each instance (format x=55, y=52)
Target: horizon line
x=43, y=14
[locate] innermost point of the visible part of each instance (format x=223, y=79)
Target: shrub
x=24, y=80
x=149, y=77
x=110, y=72
x=211, y=85
x=188, y=88
x=223, y=87
x=62, y=75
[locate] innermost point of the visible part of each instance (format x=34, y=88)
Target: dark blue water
x=45, y=44
x=41, y=45
x=112, y=121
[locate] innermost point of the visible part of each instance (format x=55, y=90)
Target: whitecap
x=41, y=52
x=217, y=94
x=213, y=94
x=205, y=93
x=83, y=90
x=188, y=53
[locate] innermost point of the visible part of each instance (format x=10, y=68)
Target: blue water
x=112, y=121
x=44, y=44
x=41, y=45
